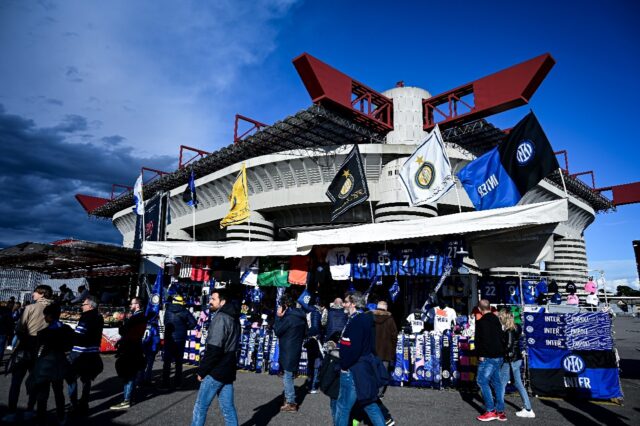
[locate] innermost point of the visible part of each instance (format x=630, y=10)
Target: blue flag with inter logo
x=502, y=176
x=155, y=298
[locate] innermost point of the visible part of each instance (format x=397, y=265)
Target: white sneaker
x=10, y=348
x=529, y=414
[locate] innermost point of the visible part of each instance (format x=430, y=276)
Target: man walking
x=84, y=358
x=130, y=356
x=358, y=380
x=30, y=323
x=290, y=328
x=177, y=321
x=490, y=353
x=217, y=370
x=386, y=336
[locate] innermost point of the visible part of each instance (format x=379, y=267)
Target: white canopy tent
x=496, y=232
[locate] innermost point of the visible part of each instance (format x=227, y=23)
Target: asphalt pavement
x=258, y=398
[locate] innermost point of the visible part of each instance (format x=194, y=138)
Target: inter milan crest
x=155, y=299
x=349, y=187
x=425, y=175
x=525, y=151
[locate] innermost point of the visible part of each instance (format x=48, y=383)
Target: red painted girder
x=90, y=203
x=628, y=193
x=329, y=87
x=506, y=89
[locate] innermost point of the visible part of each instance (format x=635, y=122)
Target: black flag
x=527, y=155
x=349, y=187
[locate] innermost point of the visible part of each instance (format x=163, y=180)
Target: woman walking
x=513, y=360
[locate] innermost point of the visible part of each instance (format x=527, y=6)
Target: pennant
x=426, y=175
x=394, y=290
x=349, y=186
x=155, y=297
x=138, y=208
x=502, y=176
x=189, y=195
x=239, y=199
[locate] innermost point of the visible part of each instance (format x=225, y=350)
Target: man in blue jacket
x=177, y=322
x=358, y=380
x=290, y=328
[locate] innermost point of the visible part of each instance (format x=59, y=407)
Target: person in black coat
x=336, y=319
x=130, y=354
x=290, y=327
x=85, y=359
x=177, y=322
x=51, y=363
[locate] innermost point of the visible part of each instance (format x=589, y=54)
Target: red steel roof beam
x=590, y=172
x=256, y=125
x=566, y=159
x=90, y=203
x=156, y=173
x=628, y=193
x=337, y=91
x=498, y=92
x=115, y=195
x=199, y=153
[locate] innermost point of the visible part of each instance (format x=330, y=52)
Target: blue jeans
x=129, y=388
x=17, y=376
x=150, y=358
x=347, y=398
x=517, y=380
x=489, y=377
x=289, y=389
x=209, y=388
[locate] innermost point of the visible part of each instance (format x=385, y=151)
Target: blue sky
x=91, y=91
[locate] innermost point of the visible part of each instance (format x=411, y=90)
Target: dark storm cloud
x=41, y=171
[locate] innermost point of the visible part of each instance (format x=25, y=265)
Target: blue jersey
x=362, y=266
x=384, y=263
x=407, y=261
x=490, y=290
x=511, y=290
x=434, y=260
x=451, y=249
x=529, y=288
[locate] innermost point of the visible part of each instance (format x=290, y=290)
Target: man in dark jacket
x=177, y=322
x=386, y=336
x=290, y=328
x=489, y=349
x=130, y=355
x=217, y=370
x=358, y=380
x=85, y=354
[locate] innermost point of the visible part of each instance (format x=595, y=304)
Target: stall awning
x=223, y=248
x=522, y=220
x=524, y=216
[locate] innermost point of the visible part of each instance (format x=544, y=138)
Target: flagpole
x=373, y=220
x=564, y=186
x=193, y=217
x=455, y=185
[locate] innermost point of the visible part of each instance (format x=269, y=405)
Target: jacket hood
x=175, y=308
x=230, y=309
x=297, y=313
x=381, y=316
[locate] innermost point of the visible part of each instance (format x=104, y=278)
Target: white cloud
x=616, y=272
x=159, y=73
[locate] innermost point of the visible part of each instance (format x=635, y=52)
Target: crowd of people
x=350, y=347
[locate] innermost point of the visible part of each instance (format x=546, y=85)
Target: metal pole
x=373, y=220
x=193, y=217
x=455, y=185
x=563, y=184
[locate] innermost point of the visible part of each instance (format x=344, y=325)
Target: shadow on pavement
x=263, y=414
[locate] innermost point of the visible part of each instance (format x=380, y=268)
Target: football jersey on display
x=433, y=260
x=511, y=292
x=274, y=272
x=490, y=290
x=407, y=261
x=362, y=266
x=384, y=263
x=444, y=319
x=249, y=268
x=529, y=288
x=339, y=265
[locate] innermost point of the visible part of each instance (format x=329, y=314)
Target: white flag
x=137, y=196
x=426, y=175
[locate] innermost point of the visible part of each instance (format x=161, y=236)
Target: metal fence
x=19, y=283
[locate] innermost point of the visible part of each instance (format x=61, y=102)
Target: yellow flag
x=239, y=199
